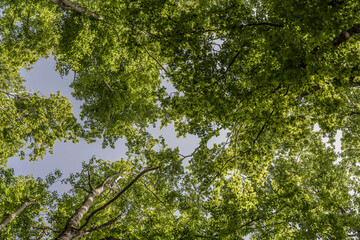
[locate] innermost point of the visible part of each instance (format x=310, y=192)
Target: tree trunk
x=70, y=231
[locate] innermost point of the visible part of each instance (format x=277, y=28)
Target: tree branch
x=154, y=194
x=118, y=195
x=68, y=5
x=263, y=127
x=154, y=59
x=70, y=228
x=229, y=66
x=214, y=30
x=110, y=238
x=15, y=214
x=110, y=177
x=108, y=86
x=226, y=71
x=83, y=188
x=89, y=181
x=111, y=222
x=46, y=228
x=336, y=3
x=4, y=110
x=16, y=94
x=342, y=210
x=192, y=154
x=346, y=35
x=248, y=223
x=263, y=24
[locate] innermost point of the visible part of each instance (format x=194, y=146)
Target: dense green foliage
x=15, y=191
x=276, y=76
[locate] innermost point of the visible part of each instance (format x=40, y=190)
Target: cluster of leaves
x=31, y=121
x=28, y=195
x=266, y=72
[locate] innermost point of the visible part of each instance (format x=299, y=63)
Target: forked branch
x=118, y=195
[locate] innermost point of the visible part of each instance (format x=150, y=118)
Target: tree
x=23, y=198
x=72, y=229
x=265, y=72
x=105, y=197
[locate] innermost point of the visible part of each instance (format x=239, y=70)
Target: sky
x=68, y=156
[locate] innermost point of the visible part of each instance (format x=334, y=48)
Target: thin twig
x=46, y=228
x=190, y=155
x=106, y=224
x=263, y=128
x=263, y=24
x=154, y=59
x=153, y=194
x=7, y=115
x=112, y=90
x=89, y=181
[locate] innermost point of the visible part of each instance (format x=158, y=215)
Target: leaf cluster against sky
x=265, y=72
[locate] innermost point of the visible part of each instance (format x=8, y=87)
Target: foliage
x=278, y=77
x=31, y=121
x=14, y=191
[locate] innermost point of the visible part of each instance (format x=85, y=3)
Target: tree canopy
x=278, y=77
